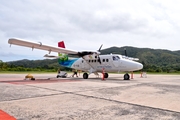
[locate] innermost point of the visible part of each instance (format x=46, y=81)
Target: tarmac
x=155, y=97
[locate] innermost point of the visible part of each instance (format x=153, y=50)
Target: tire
x=57, y=76
x=85, y=76
x=66, y=75
x=106, y=75
x=126, y=76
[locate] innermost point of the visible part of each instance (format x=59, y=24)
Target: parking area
x=48, y=97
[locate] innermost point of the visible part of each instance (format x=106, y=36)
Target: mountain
x=46, y=63
x=164, y=60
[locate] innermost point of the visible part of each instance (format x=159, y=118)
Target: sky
x=86, y=24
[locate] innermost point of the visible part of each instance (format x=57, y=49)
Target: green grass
x=156, y=73
x=164, y=73
x=24, y=72
x=30, y=72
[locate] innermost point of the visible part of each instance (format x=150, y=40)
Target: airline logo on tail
x=63, y=58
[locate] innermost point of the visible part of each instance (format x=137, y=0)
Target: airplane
x=87, y=61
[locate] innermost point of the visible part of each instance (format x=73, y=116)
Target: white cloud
x=85, y=25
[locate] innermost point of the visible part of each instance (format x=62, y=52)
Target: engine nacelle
x=93, y=56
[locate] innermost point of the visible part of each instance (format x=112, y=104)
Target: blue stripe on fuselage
x=68, y=63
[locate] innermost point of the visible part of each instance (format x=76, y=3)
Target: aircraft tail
x=62, y=57
x=61, y=44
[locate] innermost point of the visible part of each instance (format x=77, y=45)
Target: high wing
x=40, y=46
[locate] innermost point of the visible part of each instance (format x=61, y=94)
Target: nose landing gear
x=126, y=76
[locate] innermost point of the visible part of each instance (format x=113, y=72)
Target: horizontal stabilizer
x=50, y=56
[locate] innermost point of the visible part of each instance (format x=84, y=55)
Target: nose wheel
x=126, y=76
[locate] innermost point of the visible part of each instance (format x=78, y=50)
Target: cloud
x=85, y=25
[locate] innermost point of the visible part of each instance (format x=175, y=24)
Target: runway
x=49, y=98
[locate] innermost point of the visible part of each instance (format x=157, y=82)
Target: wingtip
x=9, y=41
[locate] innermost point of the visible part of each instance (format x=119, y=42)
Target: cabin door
x=116, y=61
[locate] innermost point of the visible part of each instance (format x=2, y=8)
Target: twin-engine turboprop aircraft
x=88, y=61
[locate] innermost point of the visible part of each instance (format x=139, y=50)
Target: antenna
x=125, y=52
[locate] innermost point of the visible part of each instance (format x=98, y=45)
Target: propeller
x=84, y=53
x=100, y=48
x=99, y=60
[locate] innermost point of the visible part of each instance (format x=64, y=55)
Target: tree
x=3, y=66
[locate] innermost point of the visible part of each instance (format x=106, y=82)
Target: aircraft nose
x=139, y=66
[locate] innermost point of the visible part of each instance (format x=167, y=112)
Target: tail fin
x=62, y=57
x=61, y=44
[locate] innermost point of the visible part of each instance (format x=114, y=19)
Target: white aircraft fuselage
x=110, y=63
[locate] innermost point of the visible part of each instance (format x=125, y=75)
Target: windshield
x=115, y=58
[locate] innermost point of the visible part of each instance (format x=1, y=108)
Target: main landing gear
x=126, y=76
x=85, y=75
x=106, y=75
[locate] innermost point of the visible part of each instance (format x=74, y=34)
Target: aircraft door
x=116, y=61
x=82, y=63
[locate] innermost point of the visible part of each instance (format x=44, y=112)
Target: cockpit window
x=116, y=58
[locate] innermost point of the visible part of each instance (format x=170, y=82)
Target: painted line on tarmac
x=6, y=116
x=21, y=82
x=30, y=97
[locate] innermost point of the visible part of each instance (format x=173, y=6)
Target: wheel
x=66, y=74
x=32, y=78
x=126, y=76
x=106, y=75
x=57, y=76
x=85, y=76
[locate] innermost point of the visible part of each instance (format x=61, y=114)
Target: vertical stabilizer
x=62, y=57
x=61, y=44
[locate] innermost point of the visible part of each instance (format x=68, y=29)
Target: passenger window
x=103, y=60
x=107, y=60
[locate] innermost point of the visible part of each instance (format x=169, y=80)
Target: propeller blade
x=100, y=48
x=99, y=60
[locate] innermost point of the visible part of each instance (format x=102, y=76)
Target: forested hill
x=46, y=63
x=154, y=60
